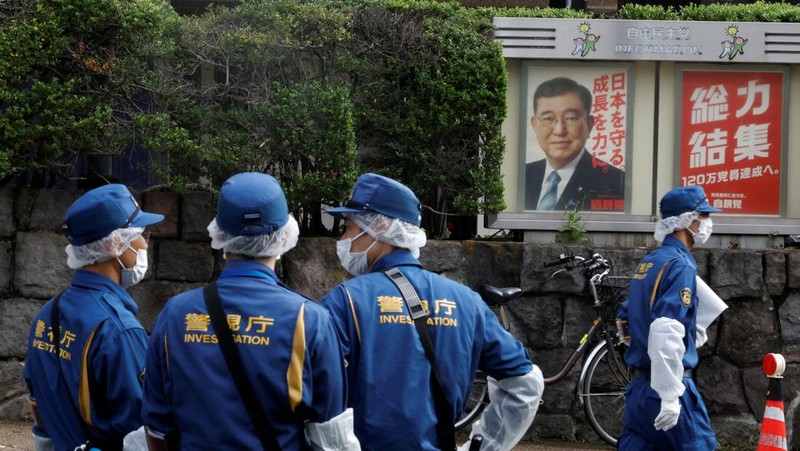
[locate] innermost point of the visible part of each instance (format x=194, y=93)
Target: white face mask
x=703, y=232
x=132, y=276
x=353, y=262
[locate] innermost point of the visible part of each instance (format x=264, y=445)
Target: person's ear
x=533, y=121
x=590, y=122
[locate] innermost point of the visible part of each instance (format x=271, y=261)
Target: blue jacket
x=287, y=345
x=388, y=374
x=102, y=354
x=664, y=285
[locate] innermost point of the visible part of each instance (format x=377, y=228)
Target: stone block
x=151, y=296
x=625, y=260
x=40, y=264
x=441, y=256
x=734, y=274
x=701, y=257
x=775, y=272
x=553, y=426
x=492, y=263
x=184, y=262
x=312, y=267
x=7, y=226
x=748, y=331
x=535, y=279
x=710, y=347
x=17, y=409
x=559, y=396
x=720, y=383
x=12, y=385
x=793, y=266
x=578, y=317
x=16, y=317
x=167, y=204
x=43, y=209
x=6, y=259
x=537, y=321
x=197, y=211
x=737, y=431
x=789, y=314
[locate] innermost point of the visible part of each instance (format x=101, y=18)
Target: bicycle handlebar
x=562, y=259
x=570, y=261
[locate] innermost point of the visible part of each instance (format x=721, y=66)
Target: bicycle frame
x=604, y=361
x=579, y=351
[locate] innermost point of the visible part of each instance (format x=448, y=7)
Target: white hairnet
x=103, y=249
x=390, y=230
x=668, y=225
x=273, y=244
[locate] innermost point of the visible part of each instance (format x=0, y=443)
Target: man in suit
x=569, y=177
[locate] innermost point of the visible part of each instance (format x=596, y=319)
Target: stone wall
x=761, y=287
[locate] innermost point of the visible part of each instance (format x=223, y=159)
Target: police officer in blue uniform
x=663, y=408
x=286, y=342
x=389, y=376
x=84, y=375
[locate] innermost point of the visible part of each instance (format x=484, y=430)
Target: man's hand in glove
x=668, y=417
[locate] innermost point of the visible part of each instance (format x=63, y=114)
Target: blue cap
x=101, y=211
x=683, y=199
x=382, y=195
x=251, y=203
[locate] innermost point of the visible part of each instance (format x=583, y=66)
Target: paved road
x=18, y=436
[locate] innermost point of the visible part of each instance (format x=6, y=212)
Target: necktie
x=550, y=192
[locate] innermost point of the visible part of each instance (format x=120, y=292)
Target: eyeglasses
x=550, y=120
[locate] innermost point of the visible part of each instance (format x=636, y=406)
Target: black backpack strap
x=232, y=358
x=444, y=412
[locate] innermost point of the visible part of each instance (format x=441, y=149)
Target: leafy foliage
x=73, y=72
x=294, y=88
x=250, y=89
x=759, y=11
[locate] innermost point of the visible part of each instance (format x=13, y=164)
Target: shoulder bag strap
x=265, y=432
x=444, y=412
x=658, y=282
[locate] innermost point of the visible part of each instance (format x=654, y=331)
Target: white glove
x=135, y=441
x=335, y=434
x=668, y=416
x=43, y=443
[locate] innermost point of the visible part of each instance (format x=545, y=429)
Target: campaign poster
x=731, y=138
x=576, y=125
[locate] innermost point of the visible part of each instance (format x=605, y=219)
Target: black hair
x=562, y=85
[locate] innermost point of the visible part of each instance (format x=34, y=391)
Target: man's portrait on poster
x=572, y=176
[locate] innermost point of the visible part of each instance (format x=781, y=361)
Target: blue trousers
x=642, y=404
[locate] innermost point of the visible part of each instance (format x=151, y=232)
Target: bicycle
x=604, y=375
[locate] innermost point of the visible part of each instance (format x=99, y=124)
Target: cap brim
x=708, y=209
x=144, y=219
x=339, y=211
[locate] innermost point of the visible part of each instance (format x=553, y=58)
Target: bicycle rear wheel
x=477, y=401
x=602, y=391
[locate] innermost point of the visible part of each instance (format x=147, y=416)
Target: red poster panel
x=731, y=126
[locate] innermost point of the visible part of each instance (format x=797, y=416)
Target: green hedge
x=318, y=92
x=72, y=71
x=314, y=92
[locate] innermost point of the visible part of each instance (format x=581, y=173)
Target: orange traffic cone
x=773, y=426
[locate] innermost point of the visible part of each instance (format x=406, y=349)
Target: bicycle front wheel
x=602, y=391
x=477, y=401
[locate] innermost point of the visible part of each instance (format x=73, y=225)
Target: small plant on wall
x=574, y=230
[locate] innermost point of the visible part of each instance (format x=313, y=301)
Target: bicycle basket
x=612, y=289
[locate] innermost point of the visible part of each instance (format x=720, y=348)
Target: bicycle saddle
x=498, y=296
